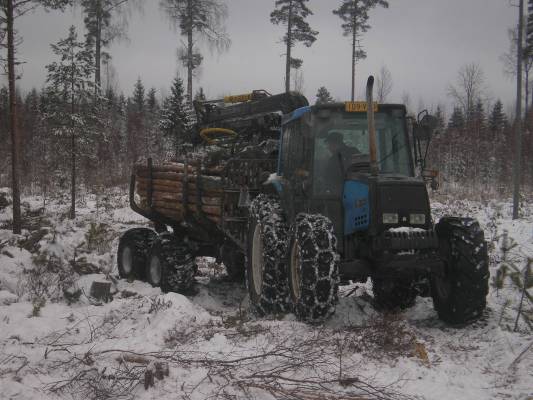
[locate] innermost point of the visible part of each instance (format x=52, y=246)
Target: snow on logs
x=171, y=186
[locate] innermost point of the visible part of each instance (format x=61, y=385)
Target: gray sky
x=422, y=42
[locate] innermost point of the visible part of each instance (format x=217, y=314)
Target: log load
x=172, y=183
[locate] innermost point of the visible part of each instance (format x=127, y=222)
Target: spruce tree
x=200, y=95
x=354, y=15
x=457, y=120
x=292, y=14
x=323, y=96
x=497, y=119
x=136, y=122
x=439, y=114
x=173, y=117
x=70, y=83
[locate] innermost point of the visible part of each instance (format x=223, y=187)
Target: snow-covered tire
x=459, y=295
x=233, y=260
x=266, y=270
x=313, y=268
x=394, y=293
x=170, y=264
x=132, y=252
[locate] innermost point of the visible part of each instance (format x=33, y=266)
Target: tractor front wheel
x=313, y=268
x=459, y=293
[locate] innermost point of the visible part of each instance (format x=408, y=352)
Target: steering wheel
x=224, y=135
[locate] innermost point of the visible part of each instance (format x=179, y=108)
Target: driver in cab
x=339, y=161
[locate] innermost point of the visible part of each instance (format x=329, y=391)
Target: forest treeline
x=80, y=128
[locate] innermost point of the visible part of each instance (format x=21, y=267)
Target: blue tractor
x=314, y=196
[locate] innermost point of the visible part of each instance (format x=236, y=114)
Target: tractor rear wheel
x=313, y=268
x=132, y=252
x=459, y=293
x=170, y=264
x=266, y=277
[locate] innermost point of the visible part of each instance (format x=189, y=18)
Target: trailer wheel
x=313, y=268
x=266, y=277
x=233, y=260
x=170, y=264
x=132, y=252
x=459, y=293
x=394, y=294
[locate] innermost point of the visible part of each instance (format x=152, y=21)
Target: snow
x=209, y=340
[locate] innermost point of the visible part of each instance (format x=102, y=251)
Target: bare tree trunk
x=189, y=52
x=289, y=48
x=73, y=151
x=517, y=165
x=354, y=45
x=98, y=47
x=526, y=70
x=13, y=119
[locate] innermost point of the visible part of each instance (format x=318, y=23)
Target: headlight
x=417, y=219
x=390, y=218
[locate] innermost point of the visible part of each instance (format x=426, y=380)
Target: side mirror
x=425, y=126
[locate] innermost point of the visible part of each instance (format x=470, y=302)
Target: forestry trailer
x=297, y=199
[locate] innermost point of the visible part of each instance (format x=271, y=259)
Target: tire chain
x=320, y=269
x=267, y=211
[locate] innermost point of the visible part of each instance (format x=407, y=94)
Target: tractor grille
x=413, y=240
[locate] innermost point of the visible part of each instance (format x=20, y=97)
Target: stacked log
x=176, y=191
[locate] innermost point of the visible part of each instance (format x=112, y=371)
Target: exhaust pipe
x=371, y=126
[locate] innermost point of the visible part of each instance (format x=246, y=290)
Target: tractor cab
x=326, y=168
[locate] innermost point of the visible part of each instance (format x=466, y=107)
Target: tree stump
x=101, y=291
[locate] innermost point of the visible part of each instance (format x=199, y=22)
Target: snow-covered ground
x=205, y=345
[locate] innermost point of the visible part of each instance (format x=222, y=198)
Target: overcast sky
x=422, y=42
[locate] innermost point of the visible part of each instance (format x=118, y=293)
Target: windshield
x=343, y=138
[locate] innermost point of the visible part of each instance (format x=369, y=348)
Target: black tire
x=132, y=253
x=394, y=294
x=170, y=265
x=233, y=260
x=459, y=295
x=313, y=268
x=266, y=250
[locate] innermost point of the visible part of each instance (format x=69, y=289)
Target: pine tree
x=70, y=82
x=101, y=29
x=323, y=96
x=201, y=18
x=9, y=11
x=173, y=117
x=457, y=120
x=292, y=14
x=497, y=119
x=354, y=14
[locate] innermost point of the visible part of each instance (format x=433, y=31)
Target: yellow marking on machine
x=358, y=106
x=240, y=98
